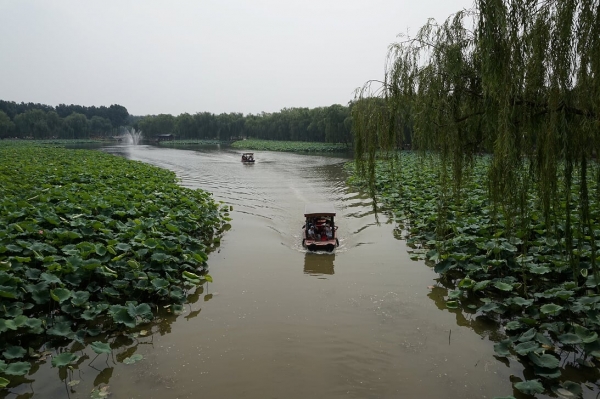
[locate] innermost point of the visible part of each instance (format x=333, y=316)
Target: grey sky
x=193, y=56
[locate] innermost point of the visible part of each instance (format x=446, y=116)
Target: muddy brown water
x=279, y=322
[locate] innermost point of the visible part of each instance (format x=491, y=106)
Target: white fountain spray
x=133, y=136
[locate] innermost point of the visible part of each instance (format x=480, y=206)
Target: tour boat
x=319, y=232
x=248, y=157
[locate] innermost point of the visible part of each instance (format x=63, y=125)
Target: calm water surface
x=278, y=322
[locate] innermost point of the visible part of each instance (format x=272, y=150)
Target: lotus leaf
x=539, y=269
x=546, y=361
x=123, y=317
x=6, y=325
x=551, y=308
x=18, y=368
x=3, y=382
x=586, y=335
x=530, y=387
x=14, y=352
x=520, y=301
x=60, y=294
x=50, y=278
x=101, y=347
x=525, y=347
x=133, y=359
x=502, y=348
x=547, y=373
x=513, y=325
x=527, y=335
x=8, y=292
x=61, y=329
x=568, y=389
x=64, y=359
x=542, y=339
x=160, y=283
x=80, y=298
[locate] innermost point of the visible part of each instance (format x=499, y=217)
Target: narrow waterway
x=278, y=322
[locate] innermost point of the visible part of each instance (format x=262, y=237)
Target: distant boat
x=319, y=232
x=248, y=157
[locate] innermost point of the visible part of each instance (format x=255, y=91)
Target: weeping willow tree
x=517, y=79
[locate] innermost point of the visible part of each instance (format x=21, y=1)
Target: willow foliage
x=517, y=79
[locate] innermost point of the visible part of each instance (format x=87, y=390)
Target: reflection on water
x=317, y=264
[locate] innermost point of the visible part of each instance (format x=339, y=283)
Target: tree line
x=332, y=124
x=41, y=121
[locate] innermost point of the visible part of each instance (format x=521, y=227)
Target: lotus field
x=89, y=243
x=505, y=267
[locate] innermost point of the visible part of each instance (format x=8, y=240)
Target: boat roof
x=319, y=209
x=248, y=153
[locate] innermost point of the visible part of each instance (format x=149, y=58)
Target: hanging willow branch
x=517, y=79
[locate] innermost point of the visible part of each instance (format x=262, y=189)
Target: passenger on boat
x=328, y=232
x=311, y=232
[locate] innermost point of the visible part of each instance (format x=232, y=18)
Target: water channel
x=278, y=322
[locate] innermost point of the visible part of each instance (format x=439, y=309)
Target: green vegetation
x=520, y=81
x=40, y=121
x=324, y=124
x=175, y=143
x=288, y=146
x=89, y=243
x=519, y=277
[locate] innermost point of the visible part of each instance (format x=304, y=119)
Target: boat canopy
x=248, y=153
x=319, y=209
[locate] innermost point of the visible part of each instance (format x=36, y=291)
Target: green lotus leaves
x=100, y=347
x=551, y=309
x=64, y=359
x=530, y=387
x=525, y=347
x=546, y=360
x=513, y=325
x=61, y=329
x=50, y=278
x=14, y=352
x=527, y=335
x=60, y=294
x=587, y=336
x=122, y=247
x=546, y=373
x=502, y=348
x=3, y=382
x=6, y=325
x=159, y=283
x=80, y=298
x=121, y=315
x=570, y=339
x=133, y=359
x=568, y=390
x=17, y=368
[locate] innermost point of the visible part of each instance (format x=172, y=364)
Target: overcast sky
x=194, y=56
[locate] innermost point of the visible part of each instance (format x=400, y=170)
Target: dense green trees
x=39, y=121
x=519, y=80
x=331, y=124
